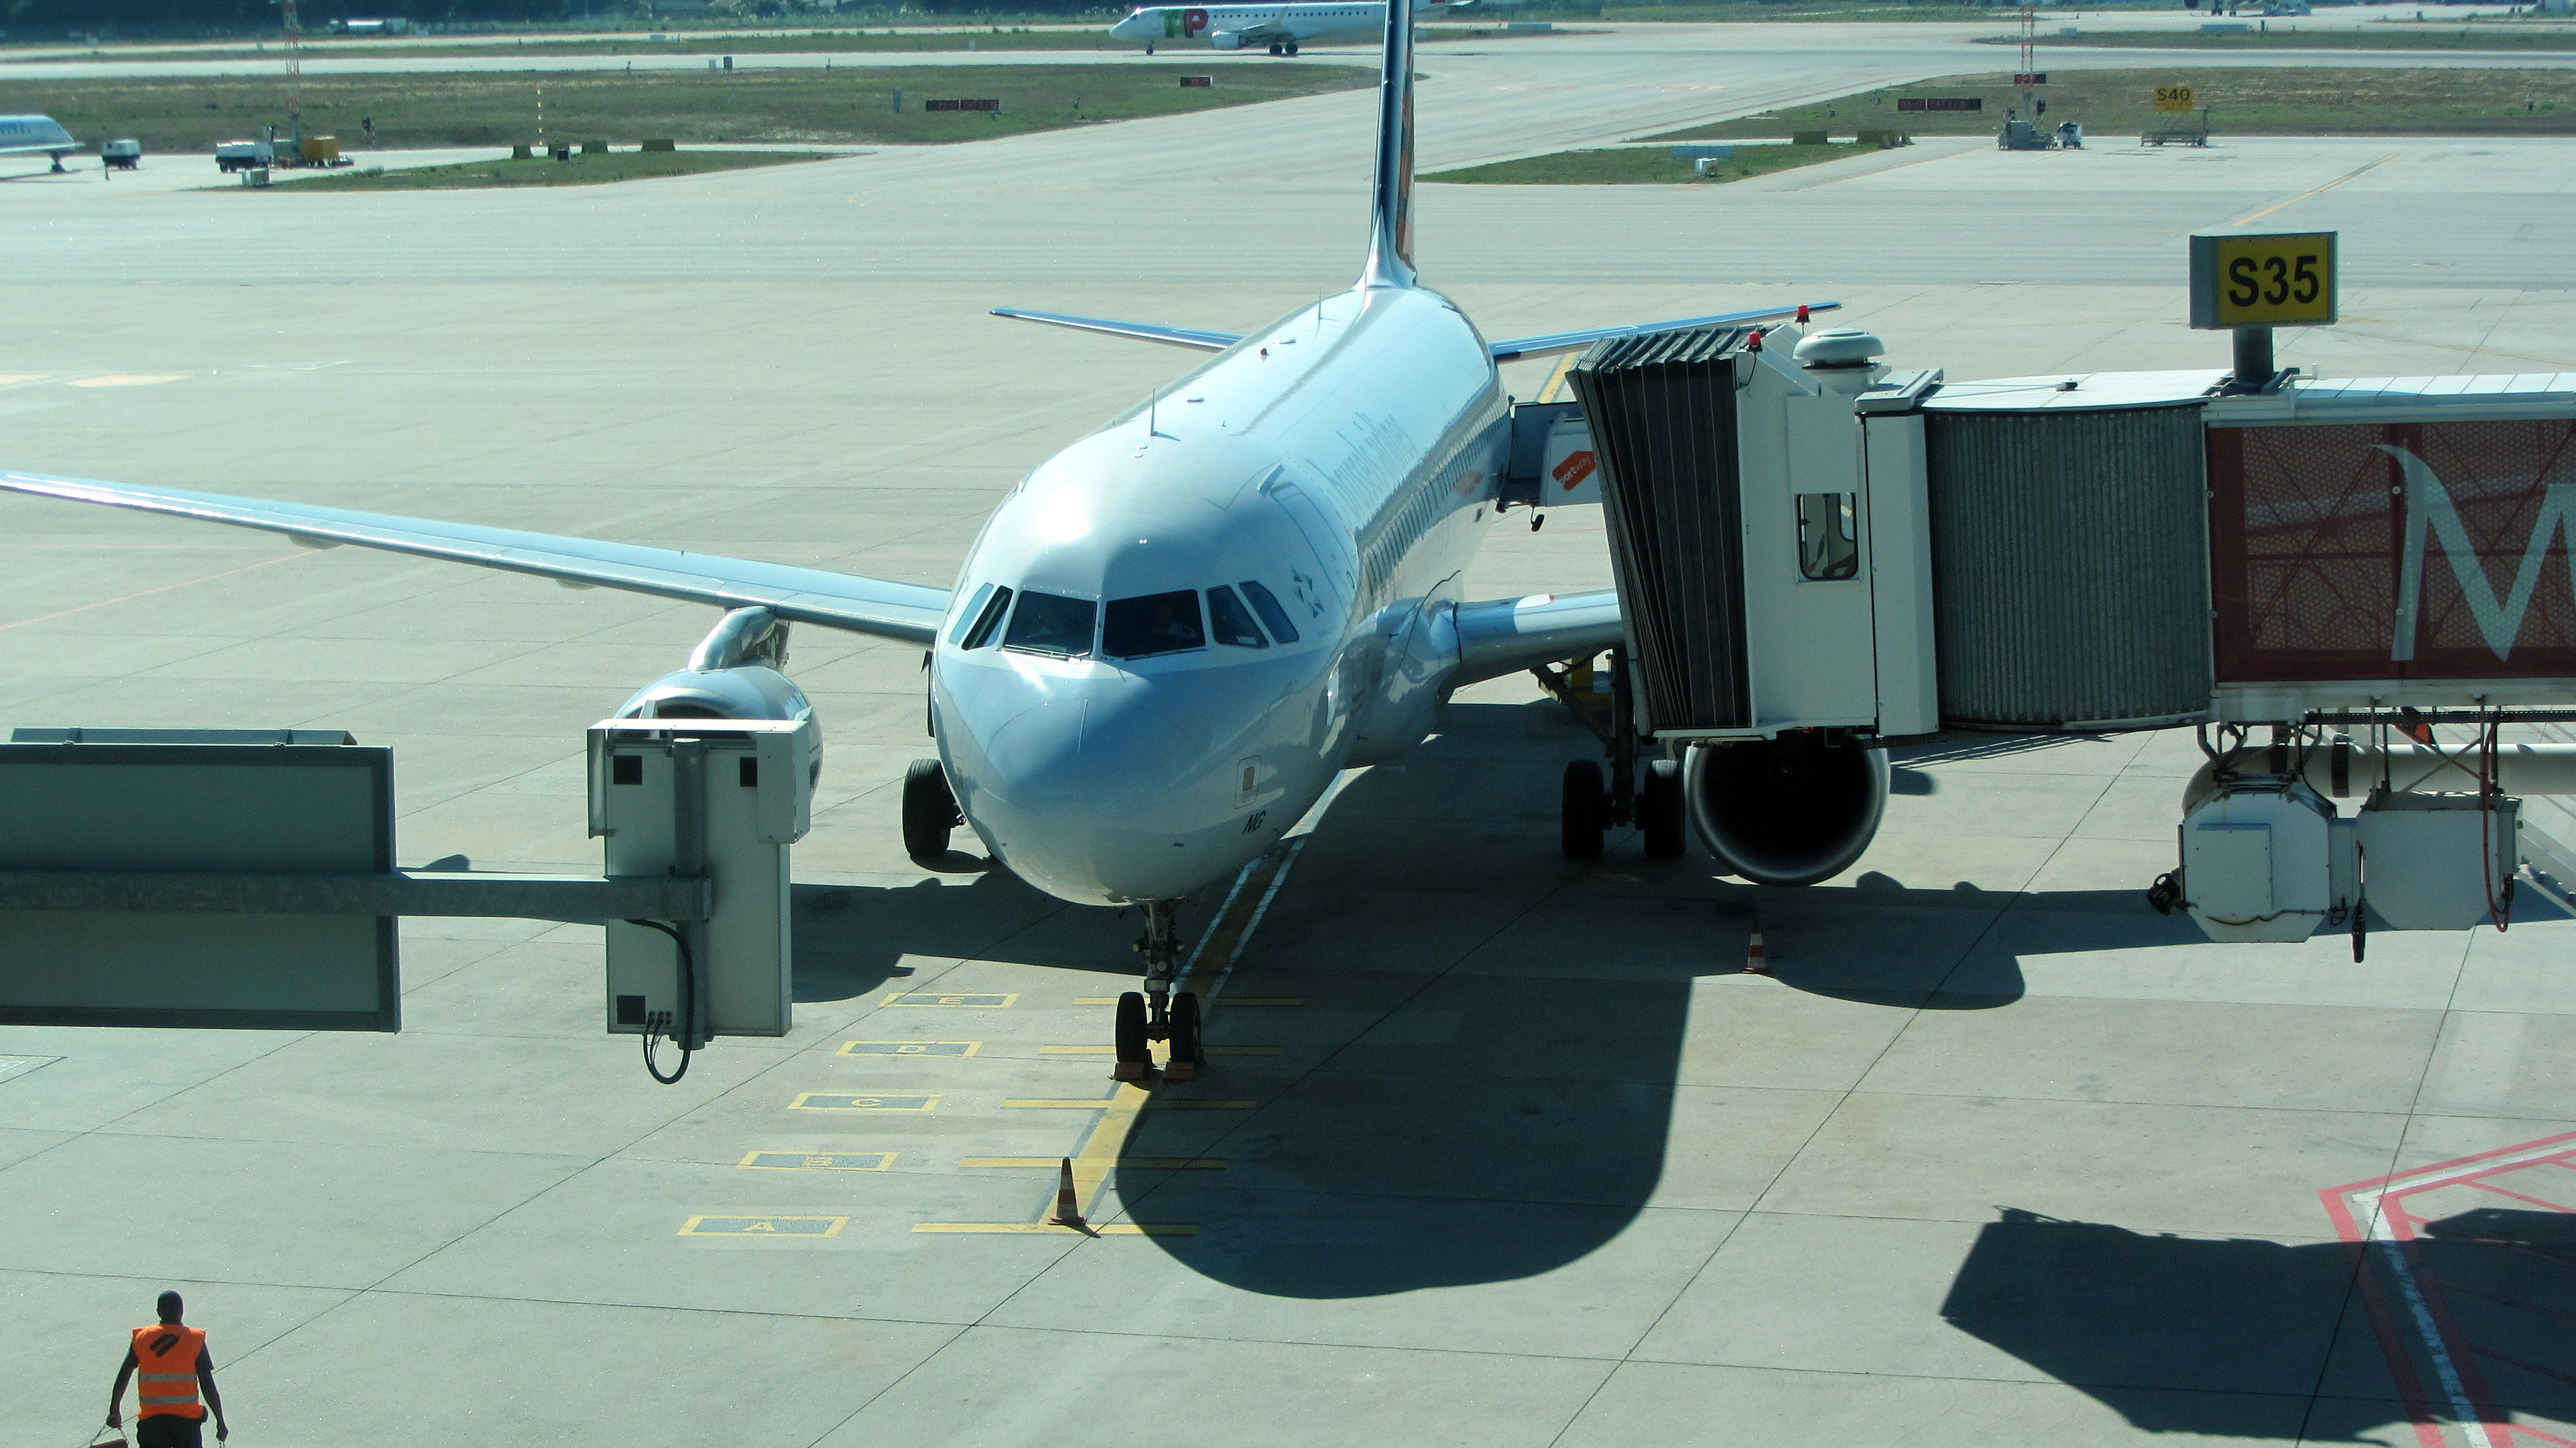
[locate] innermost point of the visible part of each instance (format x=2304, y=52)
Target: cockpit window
x=1046, y=624
x=1158, y=623
x=977, y=625
x=1231, y=621
x=1267, y=605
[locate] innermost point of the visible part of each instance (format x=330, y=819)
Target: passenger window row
x=1135, y=628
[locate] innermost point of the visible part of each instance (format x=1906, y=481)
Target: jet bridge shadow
x=1480, y=1084
x=2254, y=1339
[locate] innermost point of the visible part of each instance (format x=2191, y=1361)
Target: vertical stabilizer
x=1390, y=261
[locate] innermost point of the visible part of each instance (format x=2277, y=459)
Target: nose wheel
x=1595, y=801
x=1156, y=1013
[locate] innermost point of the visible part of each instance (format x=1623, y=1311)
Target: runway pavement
x=1503, y=1149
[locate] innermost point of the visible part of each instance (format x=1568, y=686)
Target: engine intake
x=734, y=673
x=1786, y=811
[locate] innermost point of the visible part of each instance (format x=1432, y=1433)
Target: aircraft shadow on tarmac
x=1494, y=1033
x=2231, y=1338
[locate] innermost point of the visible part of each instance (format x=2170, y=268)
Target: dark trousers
x=169, y=1430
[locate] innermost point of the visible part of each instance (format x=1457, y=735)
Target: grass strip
x=543, y=171
x=2245, y=101
x=856, y=106
x=1642, y=165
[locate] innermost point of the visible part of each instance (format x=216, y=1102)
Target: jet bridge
x=1819, y=556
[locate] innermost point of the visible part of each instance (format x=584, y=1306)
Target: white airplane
x=1173, y=634
x=36, y=136
x=1239, y=27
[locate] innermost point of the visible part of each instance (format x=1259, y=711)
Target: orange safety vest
x=165, y=1358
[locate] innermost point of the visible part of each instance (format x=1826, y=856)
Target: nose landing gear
x=1155, y=1013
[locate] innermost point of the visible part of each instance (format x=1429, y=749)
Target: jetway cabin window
x=1266, y=604
x=1157, y=623
x=1047, y=624
x=982, y=619
x=1828, y=536
x=1231, y=621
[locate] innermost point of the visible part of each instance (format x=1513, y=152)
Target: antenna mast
x=294, y=77
x=2029, y=59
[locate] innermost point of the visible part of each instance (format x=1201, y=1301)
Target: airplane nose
x=1106, y=796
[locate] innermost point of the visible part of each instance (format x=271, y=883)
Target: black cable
x=688, y=1005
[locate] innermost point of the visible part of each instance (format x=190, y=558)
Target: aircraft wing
x=1501, y=636
x=899, y=611
x=1140, y=331
x=1552, y=344
x=61, y=150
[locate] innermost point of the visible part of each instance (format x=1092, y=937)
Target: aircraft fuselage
x=1119, y=733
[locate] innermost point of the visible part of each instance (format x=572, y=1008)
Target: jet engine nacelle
x=732, y=674
x=1786, y=811
x=1225, y=39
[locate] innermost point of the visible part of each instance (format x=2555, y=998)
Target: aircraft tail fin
x=1390, y=259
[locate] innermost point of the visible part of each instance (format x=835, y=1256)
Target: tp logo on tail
x=1185, y=24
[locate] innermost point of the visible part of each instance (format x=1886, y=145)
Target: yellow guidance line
x=2304, y=195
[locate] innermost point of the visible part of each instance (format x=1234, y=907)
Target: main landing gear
x=1156, y=1013
x=1591, y=805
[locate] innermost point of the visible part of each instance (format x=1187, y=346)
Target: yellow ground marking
x=1113, y=1050
x=818, y=1160
x=1135, y=1163
x=909, y=1048
x=1554, y=390
x=1041, y=1229
x=991, y=1001
x=1099, y=1157
x=755, y=1226
x=2304, y=195
x=128, y=379
x=844, y=1101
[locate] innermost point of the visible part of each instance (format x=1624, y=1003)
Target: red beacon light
x=1754, y=342
x=1802, y=314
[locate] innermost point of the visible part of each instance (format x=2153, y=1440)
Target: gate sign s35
x=2273, y=280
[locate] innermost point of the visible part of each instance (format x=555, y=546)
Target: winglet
x=1390, y=259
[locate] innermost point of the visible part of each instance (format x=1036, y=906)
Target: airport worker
x=171, y=1360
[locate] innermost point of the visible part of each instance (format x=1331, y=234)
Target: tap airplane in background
x=1173, y=634
x=1241, y=27
x=36, y=136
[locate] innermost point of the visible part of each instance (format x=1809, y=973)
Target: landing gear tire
x=1587, y=811
x=1659, y=811
x=1187, y=1054
x=1133, y=1055
x=1292, y=47
x=929, y=810
x=1277, y=51
x=1149, y=47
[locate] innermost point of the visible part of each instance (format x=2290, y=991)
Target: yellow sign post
x=2249, y=284
x=2174, y=100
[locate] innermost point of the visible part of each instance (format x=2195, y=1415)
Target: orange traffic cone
x=1756, y=962
x=1068, y=1210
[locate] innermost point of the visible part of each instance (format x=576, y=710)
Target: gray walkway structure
x=1997, y=1156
